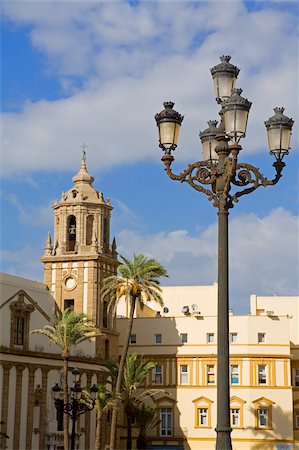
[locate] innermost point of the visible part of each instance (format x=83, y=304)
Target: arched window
x=89, y=229
x=105, y=314
x=106, y=233
x=71, y=230
x=106, y=349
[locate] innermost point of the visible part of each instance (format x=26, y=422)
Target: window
x=296, y=377
x=165, y=421
x=234, y=374
x=262, y=375
x=184, y=338
x=19, y=330
x=107, y=351
x=202, y=417
x=235, y=417
x=105, y=233
x=233, y=337
x=158, y=338
x=296, y=418
x=133, y=339
x=263, y=413
x=184, y=375
x=69, y=304
x=263, y=418
x=261, y=338
x=158, y=374
x=20, y=319
x=89, y=229
x=210, y=338
x=105, y=314
x=202, y=412
x=71, y=237
x=210, y=374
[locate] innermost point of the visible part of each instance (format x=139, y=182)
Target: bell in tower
x=71, y=240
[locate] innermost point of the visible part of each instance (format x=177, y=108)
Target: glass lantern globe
x=209, y=142
x=279, y=130
x=235, y=113
x=225, y=76
x=169, y=124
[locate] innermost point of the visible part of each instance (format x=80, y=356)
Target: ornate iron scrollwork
x=220, y=178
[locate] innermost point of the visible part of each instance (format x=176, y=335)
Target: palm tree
x=104, y=401
x=138, y=281
x=132, y=392
x=70, y=328
x=146, y=419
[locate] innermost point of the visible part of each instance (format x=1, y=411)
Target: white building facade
x=264, y=369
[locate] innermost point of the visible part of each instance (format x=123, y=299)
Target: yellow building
x=264, y=369
x=74, y=269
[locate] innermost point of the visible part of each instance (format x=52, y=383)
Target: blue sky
x=97, y=72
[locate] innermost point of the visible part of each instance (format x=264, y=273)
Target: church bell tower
x=81, y=256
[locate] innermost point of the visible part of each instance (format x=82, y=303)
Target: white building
x=264, y=368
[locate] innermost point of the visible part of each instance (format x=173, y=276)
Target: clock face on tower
x=70, y=283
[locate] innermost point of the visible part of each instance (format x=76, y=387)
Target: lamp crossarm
x=196, y=174
x=248, y=175
x=76, y=408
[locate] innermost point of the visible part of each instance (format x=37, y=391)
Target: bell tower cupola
x=80, y=255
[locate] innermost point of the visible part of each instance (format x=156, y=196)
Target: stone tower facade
x=81, y=256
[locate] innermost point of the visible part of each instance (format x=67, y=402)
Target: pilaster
x=30, y=406
x=43, y=402
x=18, y=406
x=5, y=393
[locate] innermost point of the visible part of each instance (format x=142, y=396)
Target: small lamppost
x=74, y=408
x=227, y=180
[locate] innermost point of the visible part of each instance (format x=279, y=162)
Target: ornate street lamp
x=75, y=407
x=223, y=179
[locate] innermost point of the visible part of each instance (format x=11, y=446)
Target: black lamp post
x=221, y=171
x=75, y=407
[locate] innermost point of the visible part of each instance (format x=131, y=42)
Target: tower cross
x=84, y=147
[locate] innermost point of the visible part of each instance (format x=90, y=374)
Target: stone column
x=30, y=406
x=42, y=410
x=5, y=391
x=18, y=407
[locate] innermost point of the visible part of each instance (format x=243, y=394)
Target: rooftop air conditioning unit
x=270, y=313
x=194, y=307
x=185, y=310
x=196, y=313
x=165, y=310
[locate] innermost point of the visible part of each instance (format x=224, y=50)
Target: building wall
x=29, y=371
x=277, y=353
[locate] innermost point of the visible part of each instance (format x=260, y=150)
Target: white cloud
x=34, y=216
x=23, y=262
x=132, y=59
x=264, y=255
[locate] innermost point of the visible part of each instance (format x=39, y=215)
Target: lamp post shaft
x=223, y=429
x=74, y=419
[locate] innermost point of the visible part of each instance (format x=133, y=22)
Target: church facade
x=80, y=256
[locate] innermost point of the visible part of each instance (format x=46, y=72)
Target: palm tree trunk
x=129, y=427
x=65, y=401
x=98, y=433
x=120, y=375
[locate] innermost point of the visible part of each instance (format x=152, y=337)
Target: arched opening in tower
x=71, y=241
